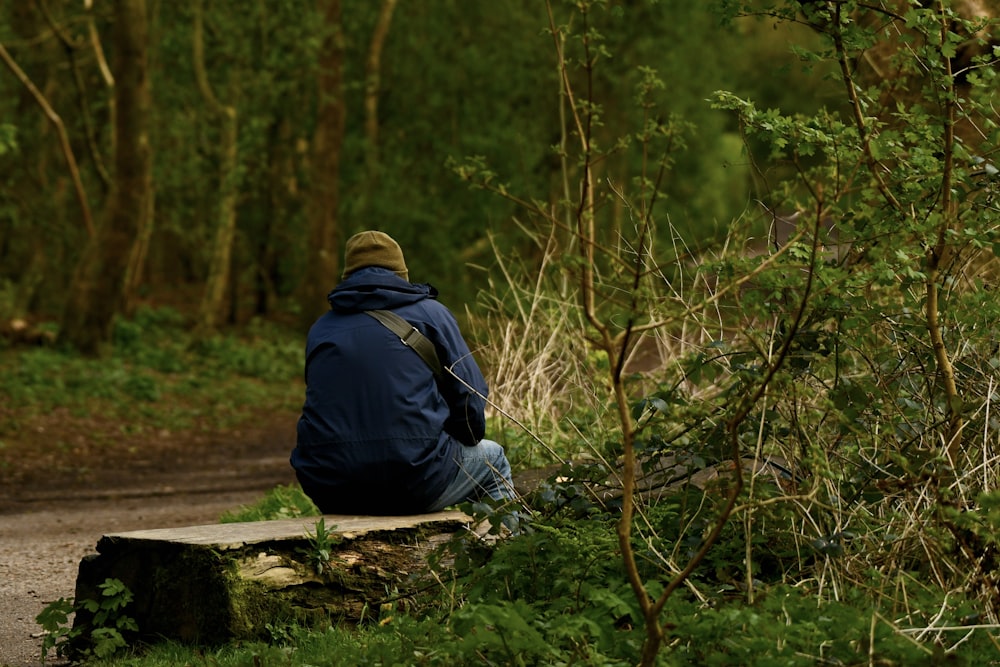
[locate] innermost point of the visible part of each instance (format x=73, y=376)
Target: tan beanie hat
x=373, y=248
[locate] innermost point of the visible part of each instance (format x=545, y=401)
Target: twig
x=63, y=137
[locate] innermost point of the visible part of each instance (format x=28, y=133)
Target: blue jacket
x=378, y=434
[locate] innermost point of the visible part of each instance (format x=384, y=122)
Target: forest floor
x=57, y=501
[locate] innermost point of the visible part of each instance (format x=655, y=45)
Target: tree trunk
x=215, y=584
x=137, y=258
x=276, y=205
x=96, y=293
x=373, y=87
x=322, y=254
x=213, y=299
x=31, y=279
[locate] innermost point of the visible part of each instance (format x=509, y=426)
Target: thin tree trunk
x=322, y=255
x=136, y=270
x=373, y=77
x=137, y=258
x=213, y=299
x=280, y=180
x=373, y=88
x=96, y=293
x=32, y=278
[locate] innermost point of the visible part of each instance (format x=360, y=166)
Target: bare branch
x=54, y=118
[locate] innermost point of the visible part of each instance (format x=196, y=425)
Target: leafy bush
x=104, y=634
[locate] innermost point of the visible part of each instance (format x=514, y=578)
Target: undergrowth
x=555, y=595
x=281, y=502
x=158, y=377
x=818, y=409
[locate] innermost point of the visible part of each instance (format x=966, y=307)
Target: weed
x=321, y=545
x=55, y=623
x=102, y=637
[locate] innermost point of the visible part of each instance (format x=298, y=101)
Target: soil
x=54, y=507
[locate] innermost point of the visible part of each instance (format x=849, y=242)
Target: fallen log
x=219, y=583
x=20, y=332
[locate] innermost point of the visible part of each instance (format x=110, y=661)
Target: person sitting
x=381, y=431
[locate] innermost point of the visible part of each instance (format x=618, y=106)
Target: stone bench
x=218, y=583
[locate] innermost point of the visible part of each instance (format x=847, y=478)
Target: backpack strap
x=410, y=337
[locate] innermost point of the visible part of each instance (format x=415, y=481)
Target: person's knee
x=496, y=455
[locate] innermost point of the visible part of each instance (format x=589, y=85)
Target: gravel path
x=46, y=529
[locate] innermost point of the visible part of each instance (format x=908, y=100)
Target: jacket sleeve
x=465, y=394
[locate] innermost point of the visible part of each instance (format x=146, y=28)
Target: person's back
x=379, y=434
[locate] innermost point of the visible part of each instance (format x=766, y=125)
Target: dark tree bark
x=373, y=91
x=213, y=299
x=97, y=292
x=373, y=86
x=322, y=254
x=278, y=200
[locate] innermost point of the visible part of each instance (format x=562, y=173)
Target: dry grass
x=900, y=517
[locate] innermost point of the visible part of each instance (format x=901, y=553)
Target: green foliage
x=321, y=544
x=838, y=363
x=56, y=626
x=156, y=381
x=262, y=60
x=786, y=626
x=862, y=534
x=8, y=138
x=266, y=359
x=557, y=595
x=281, y=502
x=103, y=635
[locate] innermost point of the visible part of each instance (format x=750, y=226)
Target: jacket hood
x=375, y=288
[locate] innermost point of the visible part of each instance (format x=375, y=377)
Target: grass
x=838, y=572
x=158, y=379
x=556, y=595
x=282, y=502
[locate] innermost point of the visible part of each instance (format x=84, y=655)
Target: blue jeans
x=482, y=470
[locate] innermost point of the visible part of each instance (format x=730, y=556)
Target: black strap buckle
x=409, y=335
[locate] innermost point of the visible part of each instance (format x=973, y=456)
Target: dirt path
x=50, y=520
